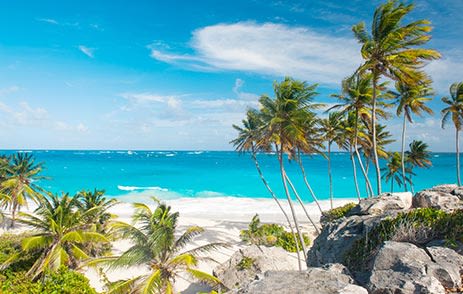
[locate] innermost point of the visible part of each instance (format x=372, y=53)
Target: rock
x=447, y=188
x=313, y=280
x=337, y=238
x=449, y=266
x=437, y=198
x=384, y=203
x=260, y=259
x=404, y=268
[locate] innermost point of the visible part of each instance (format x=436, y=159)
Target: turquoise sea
x=170, y=174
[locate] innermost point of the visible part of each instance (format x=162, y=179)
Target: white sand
x=221, y=217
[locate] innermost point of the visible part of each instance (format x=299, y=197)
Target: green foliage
x=11, y=255
x=245, y=263
x=270, y=235
x=420, y=225
x=63, y=281
x=337, y=213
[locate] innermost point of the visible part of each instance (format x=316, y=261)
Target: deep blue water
x=169, y=174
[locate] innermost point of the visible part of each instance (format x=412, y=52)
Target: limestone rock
x=384, y=203
x=438, y=197
x=260, y=259
x=313, y=280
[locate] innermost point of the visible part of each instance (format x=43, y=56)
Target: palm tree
x=391, y=50
x=248, y=137
x=418, y=156
x=392, y=171
x=454, y=110
x=20, y=183
x=155, y=245
x=331, y=127
x=100, y=217
x=284, y=119
x=60, y=232
x=411, y=100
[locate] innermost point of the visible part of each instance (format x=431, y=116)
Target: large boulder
x=400, y=267
x=445, y=197
x=336, y=238
x=331, y=279
x=384, y=203
x=245, y=264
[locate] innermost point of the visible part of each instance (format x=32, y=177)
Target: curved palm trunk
x=365, y=174
x=367, y=168
x=354, y=168
x=404, y=176
x=301, y=203
x=293, y=213
x=329, y=175
x=392, y=185
x=254, y=157
x=373, y=128
x=458, y=156
x=301, y=166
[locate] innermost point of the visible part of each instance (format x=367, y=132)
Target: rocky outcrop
x=337, y=238
x=385, y=203
x=331, y=279
x=400, y=267
x=244, y=265
x=445, y=197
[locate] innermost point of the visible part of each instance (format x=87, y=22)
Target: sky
x=176, y=75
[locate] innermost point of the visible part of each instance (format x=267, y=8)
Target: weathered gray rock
x=262, y=259
x=437, y=199
x=384, y=203
x=404, y=268
x=313, y=280
x=449, y=266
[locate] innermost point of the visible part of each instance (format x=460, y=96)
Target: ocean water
x=173, y=174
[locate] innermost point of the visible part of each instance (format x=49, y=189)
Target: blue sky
x=178, y=74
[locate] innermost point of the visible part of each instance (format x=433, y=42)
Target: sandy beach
x=222, y=218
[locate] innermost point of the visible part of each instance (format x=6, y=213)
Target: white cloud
x=48, y=20
x=446, y=71
x=269, y=48
x=87, y=51
x=9, y=90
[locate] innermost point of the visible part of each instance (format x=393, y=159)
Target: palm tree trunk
x=354, y=168
x=254, y=157
x=301, y=203
x=367, y=180
x=458, y=156
x=329, y=175
x=296, y=222
x=367, y=168
x=404, y=176
x=373, y=128
x=301, y=166
x=392, y=185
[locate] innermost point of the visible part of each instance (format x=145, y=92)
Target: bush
x=64, y=281
x=245, y=263
x=10, y=245
x=418, y=226
x=336, y=213
x=270, y=235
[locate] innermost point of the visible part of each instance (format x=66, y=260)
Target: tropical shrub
x=63, y=281
x=418, y=226
x=337, y=213
x=270, y=235
x=12, y=257
x=245, y=263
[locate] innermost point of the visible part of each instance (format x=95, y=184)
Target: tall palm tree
x=60, y=232
x=283, y=119
x=20, y=183
x=418, y=156
x=392, y=50
x=331, y=127
x=356, y=98
x=455, y=111
x=411, y=100
x=155, y=245
x=247, y=141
